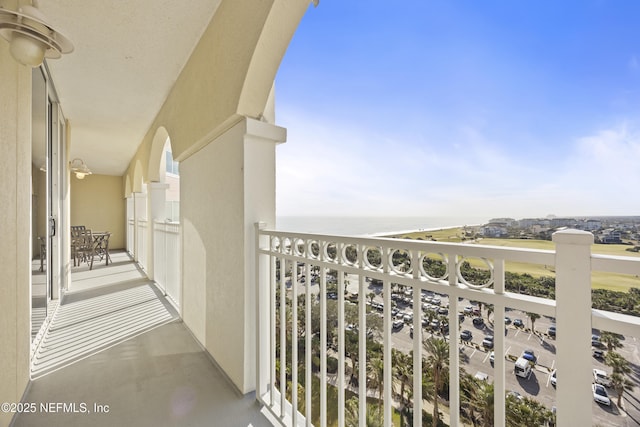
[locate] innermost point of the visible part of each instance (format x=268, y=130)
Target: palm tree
x=482, y=403
x=611, y=340
x=526, y=412
x=403, y=371
x=352, y=416
x=620, y=384
x=489, y=310
x=438, y=361
x=621, y=368
x=371, y=296
x=376, y=369
x=533, y=317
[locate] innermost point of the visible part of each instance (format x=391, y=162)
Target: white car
x=601, y=377
x=600, y=394
x=554, y=378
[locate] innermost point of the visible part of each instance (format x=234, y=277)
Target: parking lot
x=475, y=359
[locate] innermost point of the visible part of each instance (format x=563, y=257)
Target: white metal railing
x=130, y=235
x=141, y=256
x=279, y=252
x=167, y=262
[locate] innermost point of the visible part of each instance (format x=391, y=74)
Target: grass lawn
x=611, y=281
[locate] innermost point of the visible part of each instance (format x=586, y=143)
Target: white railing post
x=573, y=322
x=499, y=381
x=263, y=324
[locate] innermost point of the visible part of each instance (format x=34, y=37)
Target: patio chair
x=76, y=238
x=84, y=249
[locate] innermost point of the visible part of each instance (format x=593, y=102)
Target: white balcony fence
x=167, y=261
x=130, y=235
x=143, y=230
x=312, y=255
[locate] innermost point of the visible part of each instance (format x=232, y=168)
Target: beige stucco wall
x=15, y=226
x=232, y=187
x=97, y=203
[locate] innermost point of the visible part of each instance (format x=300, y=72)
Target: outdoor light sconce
x=78, y=167
x=31, y=38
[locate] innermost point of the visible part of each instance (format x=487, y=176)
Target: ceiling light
x=31, y=38
x=78, y=167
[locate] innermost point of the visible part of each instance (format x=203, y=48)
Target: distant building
x=563, y=222
x=592, y=225
x=610, y=236
x=509, y=222
x=498, y=229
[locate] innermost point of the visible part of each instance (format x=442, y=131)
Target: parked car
x=487, y=342
x=554, y=378
x=595, y=341
x=477, y=321
x=507, y=320
x=515, y=395
x=466, y=335
x=529, y=355
x=601, y=377
x=552, y=331
x=492, y=357
x=598, y=354
x=397, y=325
x=600, y=394
x=436, y=301
x=518, y=323
x=468, y=309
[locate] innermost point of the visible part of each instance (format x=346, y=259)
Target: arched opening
x=164, y=211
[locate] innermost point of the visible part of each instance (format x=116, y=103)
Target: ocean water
x=368, y=226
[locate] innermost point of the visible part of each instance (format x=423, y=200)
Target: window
x=172, y=166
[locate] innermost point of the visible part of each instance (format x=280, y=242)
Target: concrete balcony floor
x=116, y=353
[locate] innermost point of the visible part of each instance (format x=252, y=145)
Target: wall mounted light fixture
x=78, y=167
x=31, y=38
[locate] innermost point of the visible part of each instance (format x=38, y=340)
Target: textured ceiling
x=127, y=56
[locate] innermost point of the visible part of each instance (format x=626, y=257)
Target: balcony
x=373, y=269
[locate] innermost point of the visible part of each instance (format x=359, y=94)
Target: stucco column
x=139, y=212
x=573, y=323
x=224, y=189
x=15, y=226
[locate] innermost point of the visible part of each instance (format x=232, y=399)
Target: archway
x=164, y=210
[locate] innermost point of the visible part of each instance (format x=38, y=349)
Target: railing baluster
x=417, y=343
x=362, y=352
x=341, y=328
x=283, y=336
x=387, y=340
x=499, y=381
x=294, y=342
x=307, y=345
x=323, y=345
x=454, y=352
x=272, y=318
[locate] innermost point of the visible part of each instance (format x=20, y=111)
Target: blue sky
x=435, y=108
